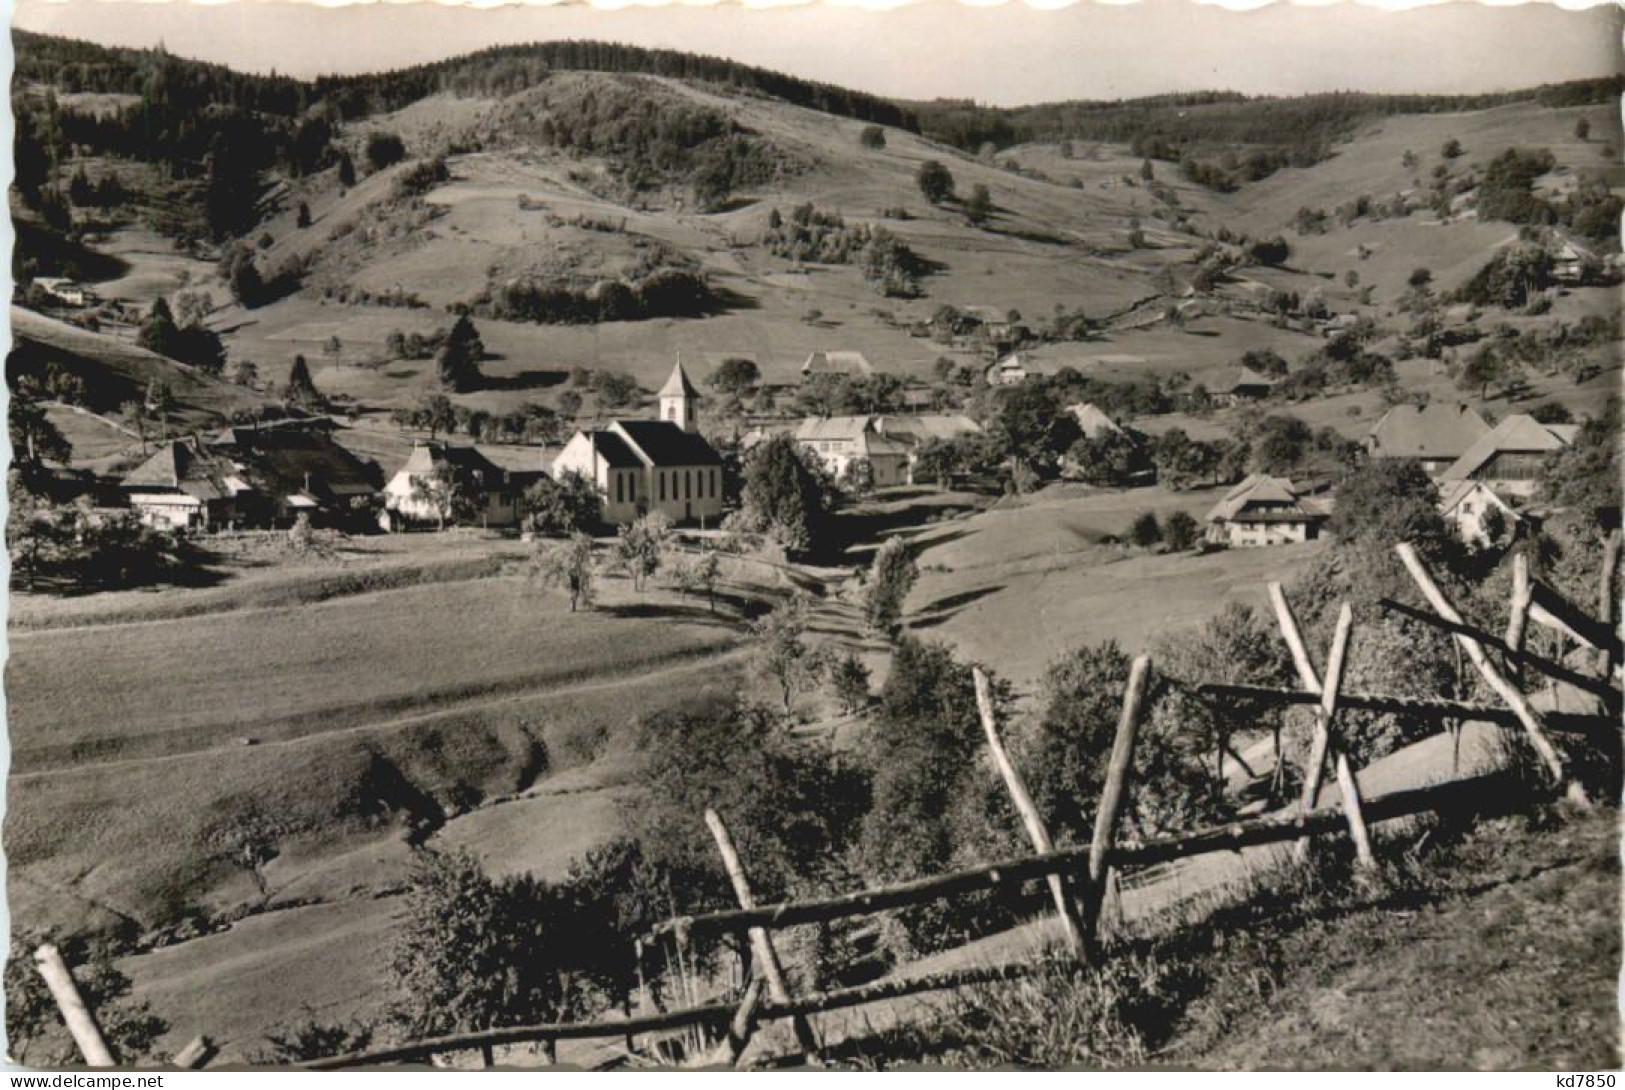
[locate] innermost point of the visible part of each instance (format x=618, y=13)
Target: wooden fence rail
x=1414, y=706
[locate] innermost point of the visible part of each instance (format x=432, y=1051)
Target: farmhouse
x=1262, y=510
x=65, y=291
x=651, y=465
x=187, y=486
x=1092, y=421
x=841, y=441
x=1015, y=368
x=1467, y=505
x=486, y=497
x=300, y=469
x=1239, y=385
x=1436, y=434
x=1570, y=263
x=833, y=364
x=1510, y=456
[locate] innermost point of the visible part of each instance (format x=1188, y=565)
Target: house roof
x=616, y=452
x=1517, y=434
x=987, y=315
x=848, y=428
x=1452, y=493
x=181, y=467
x=662, y=443
x=466, y=462
x=924, y=427
x=1091, y=421
x=678, y=385
x=1436, y=430
x=873, y=444
x=837, y=363
x=1258, y=488
x=1238, y=378
x=290, y=460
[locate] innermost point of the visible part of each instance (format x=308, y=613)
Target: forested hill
x=70, y=65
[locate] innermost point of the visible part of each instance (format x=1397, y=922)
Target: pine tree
x=459, y=359
x=301, y=388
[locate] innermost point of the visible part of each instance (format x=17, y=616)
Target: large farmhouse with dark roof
x=651, y=465
x=1436, y=434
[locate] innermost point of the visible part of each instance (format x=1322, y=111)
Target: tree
x=1387, y=501
x=979, y=205
x=34, y=1030
x=568, y=505
x=1452, y=149
x=158, y=332
x=891, y=577
x=346, y=170
x=303, y=217
x=384, y=149
x=301, y=388
x=849, y=683
x=1144, y=531
x=736, y=375
x=567, y=564
x=435, y=412
x=1483, y=369
x=872, y=137
x=1582, y=130
x=247, y=287
x=935, y=181
x=134, y=416
x=1181, y=531
x=641, y=546
x=786, y=495
x=34, y=438
x=935, y=459
x=459, y=360
x=473, y=953
x=781, y=653
x=443, y=492
x=1147, y=173
x=702, y=576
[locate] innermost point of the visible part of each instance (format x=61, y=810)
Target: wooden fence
x=1077, y=877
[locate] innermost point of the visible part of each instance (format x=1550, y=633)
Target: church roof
x=678, y=385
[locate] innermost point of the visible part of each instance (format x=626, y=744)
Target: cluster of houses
x=1485, y=475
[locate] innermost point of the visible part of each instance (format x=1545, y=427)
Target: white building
x=484, y=497
x=840, y=441
x=1262, y=510
x=651, y=465
x=1467, y=505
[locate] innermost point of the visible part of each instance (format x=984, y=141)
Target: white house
x=1092, y=421
x=186, y=486
x=1262, y=510
x=1015, y=368
x=487, y=498
x=651, y=465
x=1467, y=506
x=839, y=441
x=829, y=364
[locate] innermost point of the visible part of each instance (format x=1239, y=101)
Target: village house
x=486, y=499
x=1510, y=457
x=1092, y=422
x=836, y=365
x=641, y=466
x=65, y=291
x=1014, y=369
x=1571, y=264
x=1467, y=505
x=1436, y=434
x=1238, y=385
x=187, y=486
x=841, y=441
x=1263, y=510
x=300, y=469
x=916, y=430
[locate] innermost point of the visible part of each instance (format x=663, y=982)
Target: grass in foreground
x=1498, y=951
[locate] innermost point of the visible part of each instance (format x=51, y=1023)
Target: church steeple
x=679, y=398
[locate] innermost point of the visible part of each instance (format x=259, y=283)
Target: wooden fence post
x=1607, y=607
x=767, y=959
x=1065, y=907
x=1532, y=724
x=1325, y=713
x=1517, y=615
x=1114, y=792
x=80, y=1019
x=196, y=1053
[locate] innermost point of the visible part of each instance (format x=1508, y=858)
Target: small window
x=620, y=484
x=662, y=476
x=688, y=484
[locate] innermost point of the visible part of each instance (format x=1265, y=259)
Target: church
x=651, y=465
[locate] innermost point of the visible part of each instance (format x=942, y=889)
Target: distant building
x=1092, y=421
x=301, y=469
x=490, y=501
x=1436, y=434
x=1510, y=457
x=651, y=465
x=836, y=364
x=1238, y=385
x=65, y=291
x=1570, y=263
x=1014, y=369
x=1467, y=506
x=1262, y=510
x=187, y=486
x=995, y=323
x=840, y=441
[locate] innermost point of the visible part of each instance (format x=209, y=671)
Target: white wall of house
x=1240, y=534
x=490, y=508
x=168, y=510
x=1469, y=513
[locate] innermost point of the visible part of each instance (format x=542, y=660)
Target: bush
x=384, y=149
x=935, y=181
x=1181, y=531
x=872, y=137
x=1144, y=531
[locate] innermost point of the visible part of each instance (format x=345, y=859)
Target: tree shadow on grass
x=526, y=380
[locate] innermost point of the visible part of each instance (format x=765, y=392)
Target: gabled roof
x=1237, y=378
x=1257, y=488
x=181, y=467
x=828, y=428
x=1091, y=421
x=1517, y=434
x=678, y=385
x=662, y=443
x=1452, y=493
x=837, y=363
x=616, y=452
x=923, y=427
x=873, y=444
x=289, y=460
x=1436, y=430
x=466, y=462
